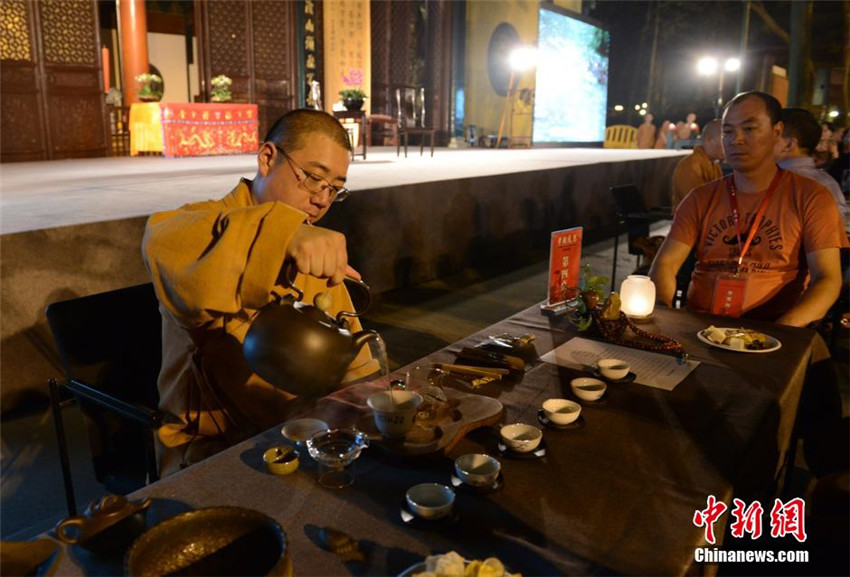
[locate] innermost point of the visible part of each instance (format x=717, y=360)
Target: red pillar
x=134, y=45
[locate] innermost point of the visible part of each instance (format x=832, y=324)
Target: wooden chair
x=620, y=136
x=381, y=129
x=410, y=110
x=118, y=121
x=111, y=349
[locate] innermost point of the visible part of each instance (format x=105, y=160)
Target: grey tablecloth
x=617, y=494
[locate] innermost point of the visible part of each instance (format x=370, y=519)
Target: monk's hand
x=319, y=252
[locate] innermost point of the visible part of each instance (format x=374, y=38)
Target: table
x=193, y=129
x=617, y=494
x=349, y=117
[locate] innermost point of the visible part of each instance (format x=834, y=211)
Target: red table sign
x=564, y=260
x=201, y=129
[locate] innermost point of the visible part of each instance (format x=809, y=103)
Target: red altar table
x=193, y=129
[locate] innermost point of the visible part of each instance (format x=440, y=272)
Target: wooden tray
x=468, y=412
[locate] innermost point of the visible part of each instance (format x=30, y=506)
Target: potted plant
x=151, y=87
x=353, y=96
x=591, y=291
x=221, y=88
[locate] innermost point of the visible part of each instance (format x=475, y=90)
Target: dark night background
x=690, y=30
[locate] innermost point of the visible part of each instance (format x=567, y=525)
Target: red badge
x=729, y=293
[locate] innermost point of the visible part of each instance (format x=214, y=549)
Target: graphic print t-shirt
x=800, y=218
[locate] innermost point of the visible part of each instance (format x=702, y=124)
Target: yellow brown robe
x=214, y=265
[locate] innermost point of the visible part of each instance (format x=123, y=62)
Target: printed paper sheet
x=651, y=369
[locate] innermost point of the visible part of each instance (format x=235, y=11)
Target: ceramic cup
x=588, y=389
x=477, y=469
x=430, y=500
x=520, y=437
x=561, y=411
x=394, y=411
x=613, y=369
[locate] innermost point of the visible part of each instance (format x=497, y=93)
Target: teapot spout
x=364, y=337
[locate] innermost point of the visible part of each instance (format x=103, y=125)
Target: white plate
x=299, y=430
x=412, y=570
x=418, y=568
x=772, y=343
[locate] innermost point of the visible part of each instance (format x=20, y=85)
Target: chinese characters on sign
x=785, y=519
x=310, y=54
x=564, y=257
x=347, y=45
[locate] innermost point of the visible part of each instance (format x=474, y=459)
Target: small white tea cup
x=394, y=411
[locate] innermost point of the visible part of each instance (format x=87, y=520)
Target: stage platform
x=74, y=227
x=37, y=195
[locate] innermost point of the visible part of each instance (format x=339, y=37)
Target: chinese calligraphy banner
x=347, y=47
x=208, y=129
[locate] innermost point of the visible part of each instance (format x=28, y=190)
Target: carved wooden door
x=52, y=93
x=254, y=43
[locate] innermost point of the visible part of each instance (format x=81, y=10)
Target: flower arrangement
x=221, y=88
x=151, y=87
x=354, y=81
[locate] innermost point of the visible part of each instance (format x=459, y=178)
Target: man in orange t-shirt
x=798, y=234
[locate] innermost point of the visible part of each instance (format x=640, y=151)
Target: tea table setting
x=554, y=467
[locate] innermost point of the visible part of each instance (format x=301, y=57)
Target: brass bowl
x=211, y=541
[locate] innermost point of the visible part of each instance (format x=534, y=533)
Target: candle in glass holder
x=637, y=296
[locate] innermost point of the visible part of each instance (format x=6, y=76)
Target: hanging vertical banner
x=312, y=88
x=347, y=49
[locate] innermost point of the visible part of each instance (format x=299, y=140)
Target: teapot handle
x=366, y=291
x=290, y=272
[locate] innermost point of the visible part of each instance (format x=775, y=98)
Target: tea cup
x=477, y=469
x=520, y=437
x=613, y=369
x=394, y=411
x=588, y=389
x=430, y=500
x=561, y=411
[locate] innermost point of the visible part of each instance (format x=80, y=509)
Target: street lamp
x=708, y=66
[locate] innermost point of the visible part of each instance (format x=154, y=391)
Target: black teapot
x=300, y=348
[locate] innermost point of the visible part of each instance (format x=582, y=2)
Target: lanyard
x=733, y=200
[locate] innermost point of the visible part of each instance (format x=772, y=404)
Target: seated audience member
x=215, y=264
x=827, y=149
x=701, y=166
x=767, y=240
x=840, y=169
x=646, y=133
x=800, y=136
x=689, y=129
x=663, y=140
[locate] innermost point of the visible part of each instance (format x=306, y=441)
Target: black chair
x=110, y=345
x=410, y=111
x=632, y=211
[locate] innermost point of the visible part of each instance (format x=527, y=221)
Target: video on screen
x=571, y=93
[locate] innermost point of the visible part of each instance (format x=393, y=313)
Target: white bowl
x=561, y=411
x=394, y=411
x=299, y=430
x=477, y=469
x=430, y=500
x=520, y=437
x=588, y=389
x=613, y=369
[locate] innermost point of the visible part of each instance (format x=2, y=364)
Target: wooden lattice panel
x=14, y=33
x=228, y=38
x=402, y=39
x=272, y=34
x=68, y=31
